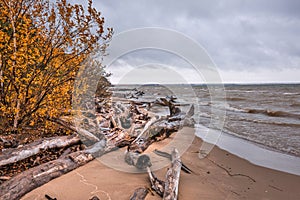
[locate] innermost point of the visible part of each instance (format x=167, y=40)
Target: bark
x=140, y=161
x=13, y=155
x=157, y=185
x=139, y=194
x=118, y=137
x=156, y=129
x=82, y=132
x=172, y=178
x=23, y=183
x=167, y=155
x=156, y=132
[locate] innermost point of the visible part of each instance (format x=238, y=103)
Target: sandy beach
x=221, y=175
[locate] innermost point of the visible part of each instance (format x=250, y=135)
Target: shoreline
x=257, y=155
x=220, y=175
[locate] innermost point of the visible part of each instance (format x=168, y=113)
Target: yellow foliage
x=42, y=45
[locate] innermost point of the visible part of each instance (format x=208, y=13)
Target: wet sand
x=220, y=175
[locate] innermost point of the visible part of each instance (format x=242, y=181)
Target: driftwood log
x=84, y=133
x=156, y=184
x=140, y=161
x=167, y=155
x=23, y=183
x=167, y=189
x=139, y=194
x=172, y=178
x=155, y=129
x=144, y=129
x=13, y=155
x=158, y=130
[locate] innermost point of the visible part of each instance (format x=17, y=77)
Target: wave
x=297, y=104
x=291, y=93
x=235, y=99
x=273, y=113
x=269, y=122
x=270, y=113
x=227, y=107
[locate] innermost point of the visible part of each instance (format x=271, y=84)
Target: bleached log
x=172, y=178
x=13, y=155
x=156, y=132
x=157, y=185
x=84, y=133
x=23, y=183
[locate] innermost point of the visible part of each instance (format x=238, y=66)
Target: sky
x=249, y=41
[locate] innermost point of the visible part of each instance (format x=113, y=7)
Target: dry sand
x=220, y=175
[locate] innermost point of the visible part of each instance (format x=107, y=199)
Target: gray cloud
x=238, y=34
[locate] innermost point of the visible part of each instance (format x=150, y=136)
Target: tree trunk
x=157, y=185
x=13, y=155
x=23, y=183
x=140, y=161
x=172, y=178
x=12, y=21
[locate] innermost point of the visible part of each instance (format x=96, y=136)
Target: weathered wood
x=158, y=131
x=148, y=125
x=172, y=178
x=94, y=198
x=167, y=155
x=159, y=128
x=157, y=185
x=170, y=102
x=23, y=183
x=139, y=194
x=115, y=136
x=82, y=132
x=4, y=178
x=13, y=155
x=118, y=137
x=140, y=161
x=8, y=143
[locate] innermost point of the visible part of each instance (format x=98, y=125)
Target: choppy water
x=266, y=115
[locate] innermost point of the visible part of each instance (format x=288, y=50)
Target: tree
x=42, y=46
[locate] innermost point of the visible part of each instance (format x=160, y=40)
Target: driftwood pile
x=133, y=126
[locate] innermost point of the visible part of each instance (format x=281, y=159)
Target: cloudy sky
x=250, y=41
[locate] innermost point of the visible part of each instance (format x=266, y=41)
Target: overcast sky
x=249, y=40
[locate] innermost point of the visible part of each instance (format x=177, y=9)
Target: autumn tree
x=42, y=45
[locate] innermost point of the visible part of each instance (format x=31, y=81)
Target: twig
x=276, y=188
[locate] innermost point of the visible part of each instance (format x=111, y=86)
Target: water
x=267, y=116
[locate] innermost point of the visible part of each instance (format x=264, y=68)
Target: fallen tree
x=157, y=130
x=156, y=184
x=167, y=189
x=145, y=128
x=172, y=178
x=13, y=155
x=23, y=183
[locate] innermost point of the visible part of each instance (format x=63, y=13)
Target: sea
x=260, y=123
